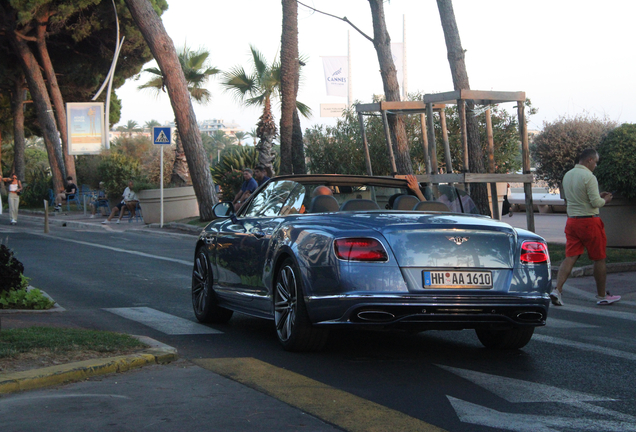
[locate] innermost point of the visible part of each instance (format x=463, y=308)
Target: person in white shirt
x=129, y=202
x=15, y=187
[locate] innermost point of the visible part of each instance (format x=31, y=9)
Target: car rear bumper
x=442, y=313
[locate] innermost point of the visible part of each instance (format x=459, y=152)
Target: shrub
x=556, y=148
x=115, y=170
x=25, y=299
x=228, y=173
x=10, y=271
x=617, y=167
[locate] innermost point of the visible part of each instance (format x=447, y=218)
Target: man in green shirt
x=584, y=229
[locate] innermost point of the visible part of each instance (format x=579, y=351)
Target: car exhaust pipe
x=530, y=316
x=375, y=316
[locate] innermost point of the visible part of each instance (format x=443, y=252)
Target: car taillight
x=360, y=249
x=534, y=253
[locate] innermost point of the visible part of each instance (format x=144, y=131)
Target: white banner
x=397, y=52
x=336, y=75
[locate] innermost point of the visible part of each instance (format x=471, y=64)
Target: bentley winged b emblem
x=458, y=240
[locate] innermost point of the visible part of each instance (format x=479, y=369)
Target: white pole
x=404, y=74
x=161, y=187
x=350, y=93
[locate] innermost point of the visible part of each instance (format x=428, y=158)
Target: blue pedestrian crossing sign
x=161, y=135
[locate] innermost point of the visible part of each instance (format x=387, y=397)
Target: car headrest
x=323, y=204
x=359, y=204
x=431, y=206
x=405, y=202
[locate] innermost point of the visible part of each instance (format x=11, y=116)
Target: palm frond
x=303, y=109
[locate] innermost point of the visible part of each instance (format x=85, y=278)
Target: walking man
x=584, y=229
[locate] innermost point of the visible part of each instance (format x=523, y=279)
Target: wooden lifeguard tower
x=436, y=102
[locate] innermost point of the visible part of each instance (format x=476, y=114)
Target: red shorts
x=585, y=233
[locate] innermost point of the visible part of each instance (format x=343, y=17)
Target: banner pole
x=349, y=84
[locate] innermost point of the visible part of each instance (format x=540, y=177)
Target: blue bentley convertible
x=315, y=253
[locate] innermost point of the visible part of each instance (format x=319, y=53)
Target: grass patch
x=614, y=255
x=61, y=340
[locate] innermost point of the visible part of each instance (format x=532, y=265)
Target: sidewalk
x=77, y=219
x=550, y=226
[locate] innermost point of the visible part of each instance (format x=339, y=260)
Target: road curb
x=158, y=353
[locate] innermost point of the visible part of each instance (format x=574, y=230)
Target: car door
x=243, y=245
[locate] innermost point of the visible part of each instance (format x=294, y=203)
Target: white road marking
x=174, y=260
x=604, y=311
x=519, y=391
x=563, y=324
x=480, y=415
x=166, y=323
x=584, y=346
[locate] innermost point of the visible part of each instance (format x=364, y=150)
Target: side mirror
x=223, y=209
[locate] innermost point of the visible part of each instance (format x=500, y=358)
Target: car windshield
x=286, y=197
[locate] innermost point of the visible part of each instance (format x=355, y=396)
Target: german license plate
x=457, y=279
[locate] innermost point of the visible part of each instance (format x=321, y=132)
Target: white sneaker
x=92, y=216
x=118, y=220
x=105, y=221
x=555, y=296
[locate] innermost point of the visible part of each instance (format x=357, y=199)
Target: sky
x=570, y=57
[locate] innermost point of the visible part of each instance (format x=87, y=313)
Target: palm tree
x=131, y=126
x=240, y=136
x=196, y=74
x=258, y=89
x=150, y=124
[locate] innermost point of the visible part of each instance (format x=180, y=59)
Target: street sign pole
x=161, y=136
x=161, y=188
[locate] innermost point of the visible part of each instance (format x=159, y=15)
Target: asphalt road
x=576, y=373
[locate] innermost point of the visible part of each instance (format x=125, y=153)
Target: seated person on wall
x=260, y=174
x=66, y=193
x=248, y=187
x=129, y=202
x=100, y=200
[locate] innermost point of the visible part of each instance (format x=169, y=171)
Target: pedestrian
x=584, y=229
x=100, y=200
x=129, y=201
x=247, y=188
x=15, y=187
x=68, y=193
x=260, y=174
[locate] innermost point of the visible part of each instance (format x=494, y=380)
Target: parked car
x=314, y=263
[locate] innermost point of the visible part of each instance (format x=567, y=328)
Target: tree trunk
x=382, y=44
x=56, y=97
x=289, y=66
x=266, y=131
x=180, y=173
x=43, y=108
x=298, y=147
x=478, y=191
x=164, y=52
x=17, y=108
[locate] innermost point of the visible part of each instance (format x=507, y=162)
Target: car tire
x=509, y=339
x=204, y=300
x=293, y=327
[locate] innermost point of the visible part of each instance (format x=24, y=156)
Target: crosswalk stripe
x=564, y=324
x=604, y=311
x=349, y=412
x=166, y=323
x=584, y=346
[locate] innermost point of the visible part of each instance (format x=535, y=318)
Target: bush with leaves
x=556, y=148
x=10, y=271
x=116, y=170
x=228, y=173
x=616, y=170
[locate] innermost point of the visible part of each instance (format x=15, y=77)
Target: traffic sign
x=161, y=135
